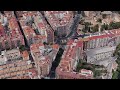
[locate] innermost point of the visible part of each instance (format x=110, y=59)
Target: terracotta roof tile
x=25, y=54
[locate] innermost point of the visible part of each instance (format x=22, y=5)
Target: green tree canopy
x=99, y=20
x=114, y=25
x=104, y=27
x=97, y=73
x=95, y=28
x=115, y=75
x=22, y=48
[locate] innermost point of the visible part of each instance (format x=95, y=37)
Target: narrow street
x=56, y=63
x=21, y=29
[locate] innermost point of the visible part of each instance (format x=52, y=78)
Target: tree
x=99, y=20
x=22, y=48
x=118, y=69
x=114, y=25
x=87, y=27
x=79, y=65
x=97, y=73
x=84, y=30
x=117, y=25
x=95, y=28
x=98, y=66
x=81, y=22
x=104, y=26
x=116, y=53
x=45, y=43
x=115, y=75
x=87, y=23
x=88, y=67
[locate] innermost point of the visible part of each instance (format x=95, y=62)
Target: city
x=59, y=44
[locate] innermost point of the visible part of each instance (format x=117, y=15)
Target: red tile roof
x=64, y=69
x=25, y=54
x=29, y=31
x=35, y=46
x=55, y=46
x=96, y=37
x=51, y=15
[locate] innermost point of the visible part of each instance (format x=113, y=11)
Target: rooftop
x=25, y=54
x=95, y=51
x=65, y=68
x=28, y=31
x=59, y=18
x=106, y=12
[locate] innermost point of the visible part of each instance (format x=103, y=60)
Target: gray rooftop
x=107, y=12
x=92, y=52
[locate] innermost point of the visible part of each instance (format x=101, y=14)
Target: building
x=16, y=65
x=60, y=21
x=103, y=39
x=43, y=56
x=71, y=56
x=10, y=34
x=43, y=27
x=17, y=37
x=31, y=36
x=35, y=28
x=99, y=49
x=100, y=54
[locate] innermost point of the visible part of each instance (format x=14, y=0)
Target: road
x=74, y=25
x=56, y=63
x=21, y=29
x=43, y=16
x=73, y=28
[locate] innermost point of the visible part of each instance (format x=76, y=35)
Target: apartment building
x=37, y=26
x=106, y=38
x=43, y=27
x=16, y=65
x=68, y=63
x=10, y=35
x=60, y=21
x=99, y=48
x=43, y=56
x=100, y=54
